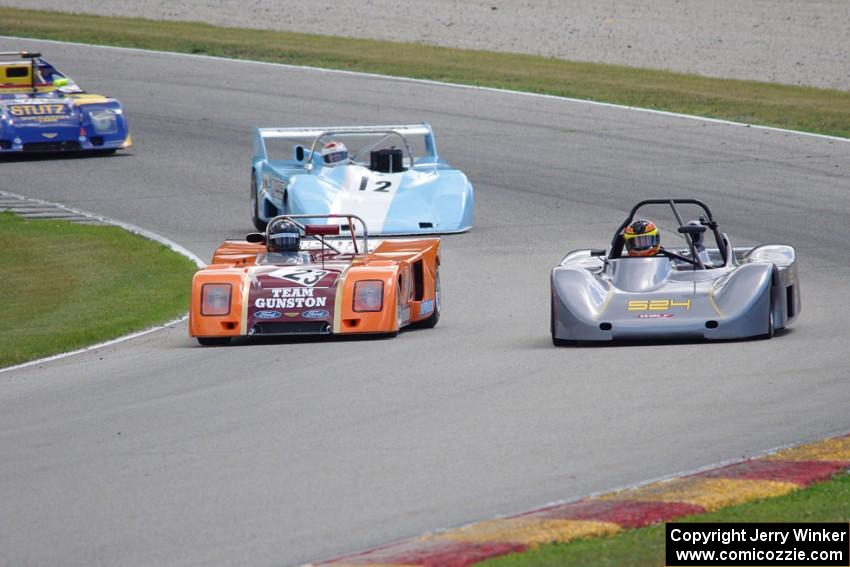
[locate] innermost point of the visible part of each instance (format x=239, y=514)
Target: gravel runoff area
x=783, y=41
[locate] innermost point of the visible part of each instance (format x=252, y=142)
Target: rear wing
x=27, y=72
x=302, y=153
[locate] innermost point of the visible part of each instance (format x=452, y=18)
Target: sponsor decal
x=267, y=314
x=290, y=297
x=39, y=112
x=657, y=304
x=21, y=110
x=426, y=307
x=277, y=188
x=655, y=316
x=315, y=314
x=299, y=293
x=307, y=277
x=50, y=135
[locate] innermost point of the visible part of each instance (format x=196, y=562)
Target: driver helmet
x=334, y=152
x=282, y=235
x=642, y=238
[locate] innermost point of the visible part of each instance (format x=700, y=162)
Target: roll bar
x=32, y=56
x=709, y=222
x=363, y=132
x=351, y=228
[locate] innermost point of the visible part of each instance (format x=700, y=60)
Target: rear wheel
x=213, y=341
x=255, y=204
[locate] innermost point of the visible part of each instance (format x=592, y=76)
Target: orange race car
x=306, y=279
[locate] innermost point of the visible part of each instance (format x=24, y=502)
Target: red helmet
x=642, y=238
x=334, y=152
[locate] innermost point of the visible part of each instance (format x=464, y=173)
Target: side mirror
x=598, y=252
x=691, y=230
x=256, y=238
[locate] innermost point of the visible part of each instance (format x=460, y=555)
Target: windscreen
x=359, y=145
x=278, y=149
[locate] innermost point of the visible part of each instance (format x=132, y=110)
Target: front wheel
x=432, y=320
x=771, y=324
x=255, y=204
x=555, y=340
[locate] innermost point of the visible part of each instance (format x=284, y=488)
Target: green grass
x=644, y=547
x=65, y=285
x=797, y=108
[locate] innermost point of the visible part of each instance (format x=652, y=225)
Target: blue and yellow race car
x=42, y=110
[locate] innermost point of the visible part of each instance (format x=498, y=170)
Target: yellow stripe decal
x=713, y=304
x=246, y=289
x=338, y=301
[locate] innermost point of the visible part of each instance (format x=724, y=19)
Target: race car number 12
x=380, y=186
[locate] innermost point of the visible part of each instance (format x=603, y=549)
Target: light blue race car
x=391, y=176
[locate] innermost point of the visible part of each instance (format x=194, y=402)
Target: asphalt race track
x=277, y=452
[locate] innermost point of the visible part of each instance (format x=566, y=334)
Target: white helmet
x=334, y=153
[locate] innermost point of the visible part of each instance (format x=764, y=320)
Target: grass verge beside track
x=796, y=108
x=644, y=547
x=66, y=286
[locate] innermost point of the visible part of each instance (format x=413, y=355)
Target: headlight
x=104, y=121
x=215, y=299
x=368, y=295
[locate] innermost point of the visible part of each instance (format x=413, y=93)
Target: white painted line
x=96, y=346
x=129, y=228
x=445, y=84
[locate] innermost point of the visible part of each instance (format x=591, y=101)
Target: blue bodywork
x=424, y=196
x=52, y=114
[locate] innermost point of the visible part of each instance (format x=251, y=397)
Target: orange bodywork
x=408, y=269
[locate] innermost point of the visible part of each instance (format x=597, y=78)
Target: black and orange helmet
x=642, y=238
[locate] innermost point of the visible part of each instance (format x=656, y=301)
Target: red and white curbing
x=774, y=474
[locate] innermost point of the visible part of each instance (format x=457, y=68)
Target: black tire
x=434, y=318
x=398, y=307
x=556, y=341
x=213, y=341
x=255, y=205
x=771, y=326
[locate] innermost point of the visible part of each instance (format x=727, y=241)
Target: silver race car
x=631, y=292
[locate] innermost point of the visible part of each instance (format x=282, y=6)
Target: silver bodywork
x=599, y=298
